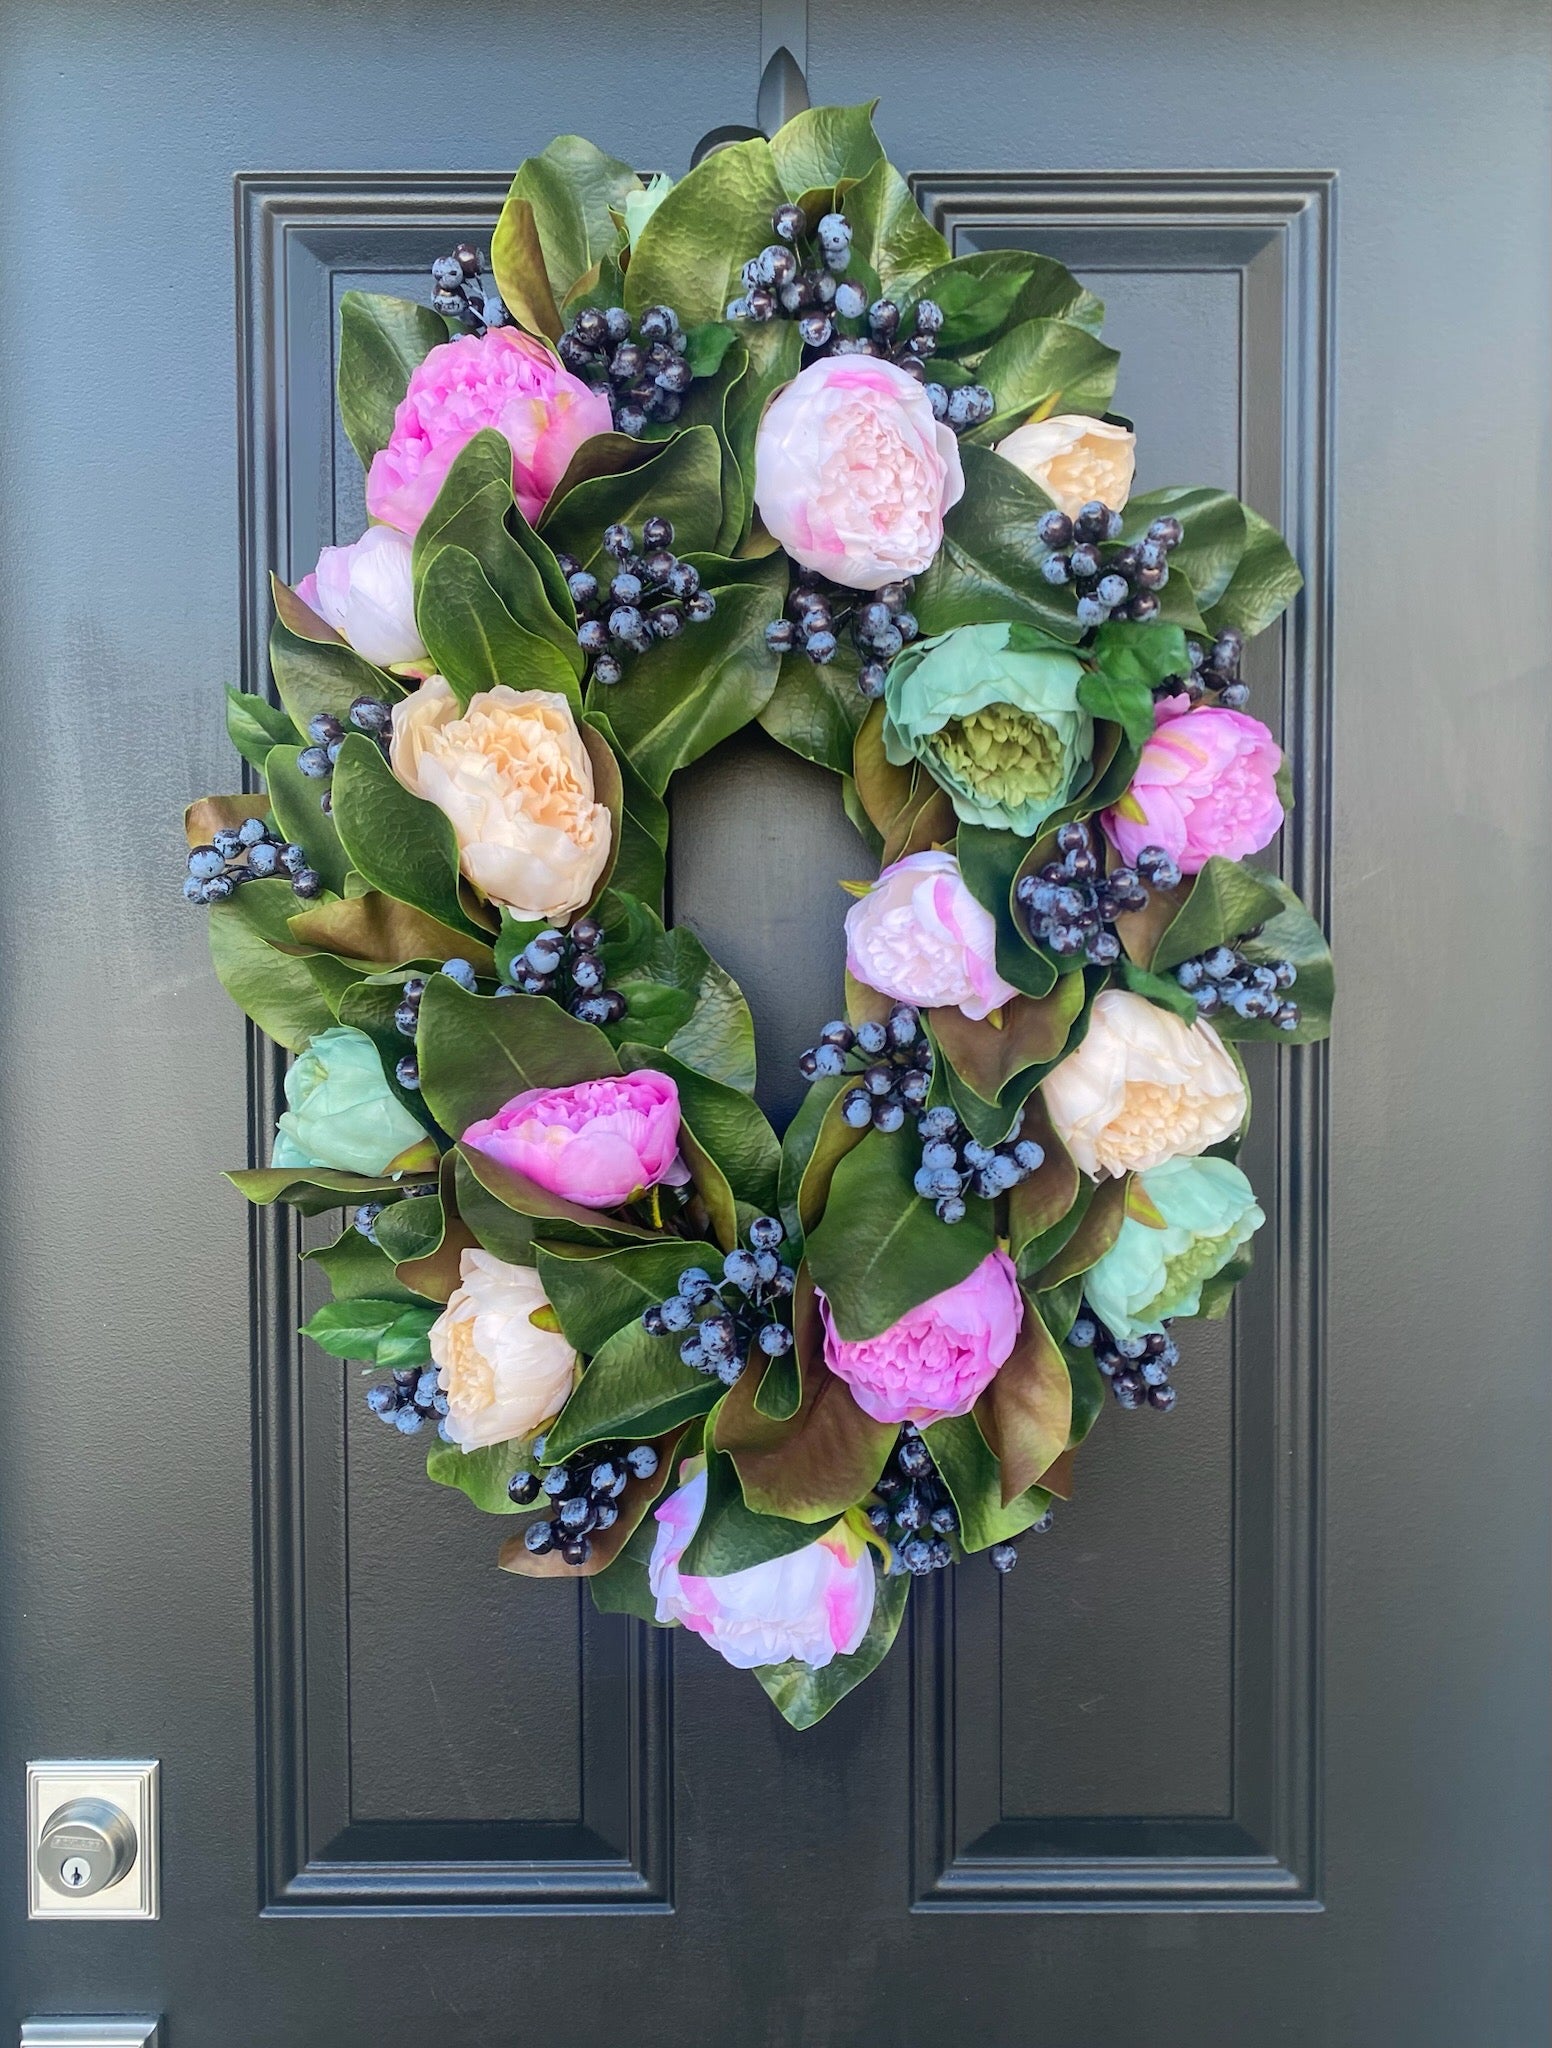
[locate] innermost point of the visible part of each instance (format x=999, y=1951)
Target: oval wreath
x=754, y=446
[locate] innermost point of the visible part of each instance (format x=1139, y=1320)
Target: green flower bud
x=1149, y=1275
x=993, y=713
x=340, y=1112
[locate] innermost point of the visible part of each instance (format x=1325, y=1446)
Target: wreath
x=753, y=446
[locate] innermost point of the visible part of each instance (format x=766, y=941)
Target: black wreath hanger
x=783, y=93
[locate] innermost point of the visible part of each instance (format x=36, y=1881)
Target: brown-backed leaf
x=608, y=790
x=1040, y=1203
x=1033, y=1033
x=639, y=1497
x=1026, y=1413
x=1093, y=1237
x=1057, y=1477
x=436, y=1273
x=207, y=816
x=383, y=932
x=1140, y=930
x=711, y=1185
x=298, y=617
x=865, y=1005
x=884, y=790
x=517, y=263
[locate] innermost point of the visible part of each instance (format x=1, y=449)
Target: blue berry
x=1004, y=1557
x=1029, y=1155
x=381, y=1399
x=937, y=1123
x=1083, y=1333
x=205, y=863
x=408, y=1419
x=539, y=1537
x=871, y=1037
x=251, y=831
x=407, y=1072
x=522, y=1489
x=193, y=889
x=461, y=972
x=264, y=858
x=228, y=843
x=938, y=1152
x=642, y=1460
x=314, y=762
x=775, y=1340
x=766, y=1232
x=857, y=1109
x=741, y=1269
x=676, y=1313
x=829, y=1060
x=951, y=1209
x=555, y=1481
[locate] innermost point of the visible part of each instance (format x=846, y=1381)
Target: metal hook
x=783, y=93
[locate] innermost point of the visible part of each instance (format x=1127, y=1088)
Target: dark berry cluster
x=880, y=622
x=409, y=1400
x=1223, y=979
x=1214, y=669
x=460, y=292
x=914, y=1513
x=802, y=276
x=1070, y=905
x=326, y=735
x=893, y=1061
x=1111, y=581
x=583, y=1496
x=717, y=1321
x=651, y=596
x=643, y=370
x=406, y=1018
x=1138, y=1367
x=568, y=965
x=952, y=1162
x=249, y=852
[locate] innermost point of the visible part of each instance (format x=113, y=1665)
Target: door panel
x=1276, y=1681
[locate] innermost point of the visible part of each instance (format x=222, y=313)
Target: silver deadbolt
x=86, y=1845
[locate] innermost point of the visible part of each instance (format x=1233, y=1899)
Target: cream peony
x=1143, y=1087
x=1075, y=459
x=502, y=1374
x=512, y=775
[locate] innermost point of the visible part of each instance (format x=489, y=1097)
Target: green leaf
x=689, y=254
x=879, y=1249
x=889, y=231
x=254, y=725
x=387, y=1333
x=683, y=697
x=1292, y=934
x=382, y=340
x=411, y=1230
x=774, y=353
x=634, y=1386
x=474, y=640
x=354, y=1266
x=632, y=1506
x=397, y=842
x=312, y=1189
x=822, y=145
x=817, y=712
x=974, y=1481
x=1124, y=701
x=1214, y=539
x=575, y=191
x=988, y=568
x=1265, y=582
x=1045, y=367
x=598, y=1293
x=1227, y=899
x=803, y=1695
x=1151, y=654
x=731, y=1537
x=706, y=346
x=798, y=1144
x=1158, y=988
x=678, y=998
x=275, y=989
x=297, y=803
x=623, y=1587
x=731, y=1126
x=483, y=1473
x=380, y=932
x=640, y=864
x=517, y=264
x=997, y=289
x=989, y=861
x=319, y=675
x=681, y=481
x=477, y=1052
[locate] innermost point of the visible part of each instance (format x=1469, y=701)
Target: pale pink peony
x=1206, y=784
x=596, y=1143
x=505, y=380
x=852, y=474
x=365, y=593
x=921, y=937
x=814, y=1604
x=941, y=1356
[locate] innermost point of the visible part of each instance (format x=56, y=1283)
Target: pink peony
x=505, y=380
x=1206, y=784
x=921, y=937
x=596, y=1142
x=365, y=593
x=852, y=474
x=813, y=1604
x=941, y=1356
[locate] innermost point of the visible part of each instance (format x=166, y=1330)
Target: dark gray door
x=1253, y=1748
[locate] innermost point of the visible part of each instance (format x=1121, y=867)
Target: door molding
x=1274, y=233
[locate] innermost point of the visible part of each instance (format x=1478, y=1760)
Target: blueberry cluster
x=1223, y=979
x=1214, y=669
x=817, y=611
x=409, y=1399
x=460, y=293
x=717, y=1321
x=568, y=965
x=583, y=1495
x=248, y=852
x=1070, y=906
x=1138, y=1368
x=406, y=1018
x=802, y=276
x=326, y=735
x=642, y=369
x=893, y=1060
x=1111, y=581
x=914, y=1513
x=651, y=596
x=952, y=1161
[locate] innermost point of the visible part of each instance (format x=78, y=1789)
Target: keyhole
x=75, y=1873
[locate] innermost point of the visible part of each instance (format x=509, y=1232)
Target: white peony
x=502, y=1374
x=365, y=593
x=1075, y=459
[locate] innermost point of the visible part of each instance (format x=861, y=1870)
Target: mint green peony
x=341, y=1112
x=1148, y=1275
x=993, y=712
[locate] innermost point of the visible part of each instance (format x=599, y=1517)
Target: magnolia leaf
x=387, y=1333
x=517, y=264
x=994, y=290
x=1214, y=538
x=314, y=677
x=990, y=862
x=890, y=233
x=299, y=617
x=399, y=843
x=382, y=932
x=1045, y=367
x=474, y=640
x=382, y=340
x=681, y=481
x=969, y=1469
x=1226, y=900
x=727, y=1122
x=823, y=145
x=297, y=802
x=475, y=510
x=803, y=1695
x=1028, y=1032
x=575, y=192
x=816, y=712
x=254, y=725
x=688, y=254
x=1026, y=1413
x=1292, y=934
x=275, y=989
x=477, y=1052
x=1158, y=988
x=634, y=1386
x=987, y=571
x=1040, y=1207
x=547, y=1215
x=1265, y=582
x=482, y=1473
x=597, y=1293
x=356, y=1267
x=312, y=1189
x=1094, y=1236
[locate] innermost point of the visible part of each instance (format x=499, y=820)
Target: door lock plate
x=92, y=1841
